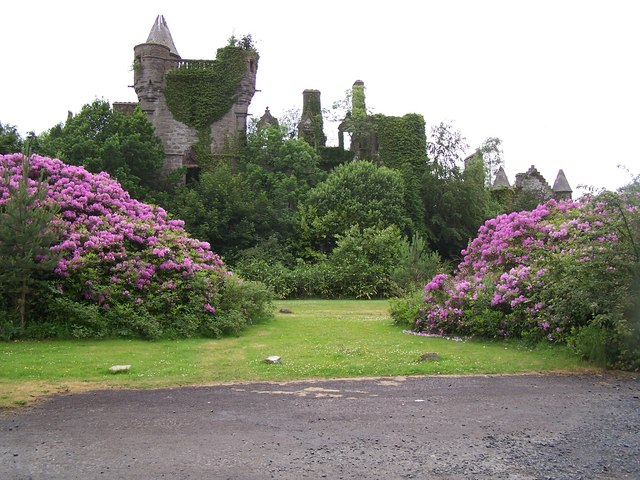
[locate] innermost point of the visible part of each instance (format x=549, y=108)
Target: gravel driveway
x=481, y=427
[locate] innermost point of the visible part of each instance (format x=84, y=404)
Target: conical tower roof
x=561, y=185
x=161, y=35
x=501, y=179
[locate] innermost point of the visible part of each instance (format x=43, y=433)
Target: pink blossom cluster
x=114, y=248
x=499, y=288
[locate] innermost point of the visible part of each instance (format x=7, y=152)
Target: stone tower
x=153, y=61
x=359, y=125
x=311, y=127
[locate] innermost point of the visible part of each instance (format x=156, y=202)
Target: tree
x=219, y=208
x=27, y=232
x=355, y=193
x=102, y=139
x=446, y=149
x=10, y=140
x=363, y=261
x=491, y=154
x=455, y=206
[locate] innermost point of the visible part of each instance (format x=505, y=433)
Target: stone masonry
x=152, y=61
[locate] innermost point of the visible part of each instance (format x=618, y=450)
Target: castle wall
x=151, y=64
x=225, y=131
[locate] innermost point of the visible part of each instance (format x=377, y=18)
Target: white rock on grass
x=272, y=359
x=120, y=368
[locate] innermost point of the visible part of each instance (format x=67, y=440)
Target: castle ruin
x=179, y=130
x=533, y=182
x=188, y=107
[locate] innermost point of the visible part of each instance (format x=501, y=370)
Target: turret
x=245, y=92
x=561, y=188
x=501, y=179
x=152, y=60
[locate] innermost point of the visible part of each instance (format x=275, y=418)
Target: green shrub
x=405, y=310
x=77, y=320
x=596, y=344
x=363, y=262
x=253, y=300
x=416, y=265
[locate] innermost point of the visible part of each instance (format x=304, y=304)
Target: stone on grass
x=428, y=357
x=285, y=310
x=120, y=368
x=272, y=359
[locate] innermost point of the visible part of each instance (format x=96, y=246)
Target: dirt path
x=511, y=427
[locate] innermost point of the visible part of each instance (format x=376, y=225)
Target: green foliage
x=402, y=145
x=73, y=319
x=362, y=265
x=364, y=260
x=455, y=206
x=245, y=42
x=446, y=149
x=358, y=106
x=242, y=303
x=601, y=296
x=404, y=310
x=219, y=208
x=491, y=155
x=250, y=299
x=402, y=141
x=331, y=157
x=27, y=231
x=596, y=344
x=503, y=199
x=202, y=92
x=416, y=264
x=356, y=193
x=527, y=199
x=10, y=139
x=237, y=207
x=101, y=139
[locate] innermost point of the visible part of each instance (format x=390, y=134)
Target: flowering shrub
x=141, y=270
x=543, y=274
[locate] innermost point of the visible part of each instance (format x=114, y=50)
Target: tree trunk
x=22, y=302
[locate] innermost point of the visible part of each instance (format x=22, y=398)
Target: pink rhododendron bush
x=565, y=272
x=126, y=268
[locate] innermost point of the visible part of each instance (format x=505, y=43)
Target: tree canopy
x=104, y=140
x=356, y=193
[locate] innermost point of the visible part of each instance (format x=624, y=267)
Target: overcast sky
x=557, y=81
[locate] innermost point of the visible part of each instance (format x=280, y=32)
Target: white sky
x=558, y=81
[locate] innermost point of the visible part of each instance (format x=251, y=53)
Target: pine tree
x=27, y=232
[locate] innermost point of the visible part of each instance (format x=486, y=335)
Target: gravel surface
x=481, y=427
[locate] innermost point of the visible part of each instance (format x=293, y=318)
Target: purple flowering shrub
x=128, y=269
x=542, y=274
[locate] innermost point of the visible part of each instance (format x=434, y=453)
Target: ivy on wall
x=401, y=140
x=358, y=107
x=331, y=157
x=202, y=92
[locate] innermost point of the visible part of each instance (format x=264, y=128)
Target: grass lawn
x=319, y=339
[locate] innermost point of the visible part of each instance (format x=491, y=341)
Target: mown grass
x=319, y=339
